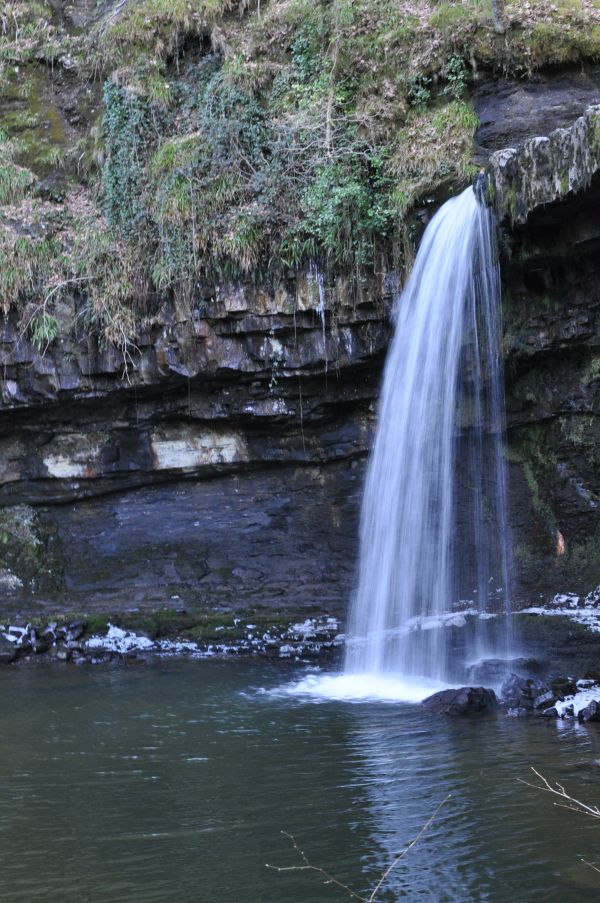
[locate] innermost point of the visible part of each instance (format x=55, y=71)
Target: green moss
x=582, y=432
x=199, y=626
x=28, y=549
x=238, y=139
x=28, y=32
x=535, y=465
x=113, y=283
x=33, y=123
x=596, y=130
x=448, y=15
x=510, y=203
x=551, y=43
x=564, y=183
x=578, y=429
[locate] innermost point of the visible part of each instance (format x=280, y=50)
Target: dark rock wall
x=548, y=198
x=282, y=538
x=551, y=269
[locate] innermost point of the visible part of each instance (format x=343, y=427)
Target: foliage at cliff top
x=171, y=143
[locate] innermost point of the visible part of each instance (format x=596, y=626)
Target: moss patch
x=240, y=139
x=28, y=550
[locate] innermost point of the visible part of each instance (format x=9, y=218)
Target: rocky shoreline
x=556, y=697
x=81, y=642
x=563, y=634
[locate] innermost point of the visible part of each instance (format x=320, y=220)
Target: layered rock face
x=220, y=461
x=246, y=424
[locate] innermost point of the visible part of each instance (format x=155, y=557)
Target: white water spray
x=434, y=511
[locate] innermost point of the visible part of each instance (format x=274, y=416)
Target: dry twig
x=329, y=879
x=573, y=804
x=558, y=790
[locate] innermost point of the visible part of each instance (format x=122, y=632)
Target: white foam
x=360, y=688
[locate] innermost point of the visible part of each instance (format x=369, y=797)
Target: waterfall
x=434, y=519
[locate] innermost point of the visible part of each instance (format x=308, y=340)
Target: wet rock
x=544, y=701
x=563, y=687
x=9, y=651
x=591, y=712
x=19, y=633
x=529, y=693
x=593, y=676
x=41, y=645
x=491, y=670
x=75, y=631
x=461, y=701
x=519, y=691
x=495, y=670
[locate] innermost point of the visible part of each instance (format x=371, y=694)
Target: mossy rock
x=29, y=550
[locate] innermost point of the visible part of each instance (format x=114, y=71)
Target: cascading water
x=434, y=523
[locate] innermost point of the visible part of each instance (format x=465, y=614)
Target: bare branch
x=308, y=866
x=558, y=790
x=329, y=879
x=408, y=848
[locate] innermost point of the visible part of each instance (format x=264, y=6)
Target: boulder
x=526, y=692
x=495, y=670
x=544, y=701
x=563, y=687
x=461, y=701
x=41, y=644
x=9, y=651
x=75, y=631
x=591, y=712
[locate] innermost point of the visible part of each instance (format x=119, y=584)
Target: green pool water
x=174, y=782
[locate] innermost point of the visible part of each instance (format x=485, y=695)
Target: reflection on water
x=174, y=782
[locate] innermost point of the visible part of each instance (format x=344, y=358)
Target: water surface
x=174, y=783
